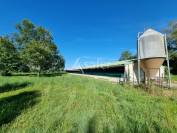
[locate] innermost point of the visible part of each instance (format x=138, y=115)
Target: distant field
x=78, y=104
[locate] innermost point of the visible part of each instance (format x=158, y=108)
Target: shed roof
x=112, y=64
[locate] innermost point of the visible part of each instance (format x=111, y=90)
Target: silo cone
x=151, y=66
x=152, y=52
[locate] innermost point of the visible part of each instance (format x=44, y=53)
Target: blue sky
x=90, y=29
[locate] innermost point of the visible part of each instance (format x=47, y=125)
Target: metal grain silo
x=152, y=52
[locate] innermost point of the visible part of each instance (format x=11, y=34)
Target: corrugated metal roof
x=112, y=64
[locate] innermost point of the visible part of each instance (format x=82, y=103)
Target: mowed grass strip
x=79, y=104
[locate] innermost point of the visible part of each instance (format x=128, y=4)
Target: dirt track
x=111, y=79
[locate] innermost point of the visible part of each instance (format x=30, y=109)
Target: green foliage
x=38, y=49
x=172, y=45
x=31, y=49
x=172, y=35
x=173, y=62
x=36, y=55
x=8, y=56
x=127, y=55
x=39, y=56
x=77, y=104
x=28, y=32
x=58, y=63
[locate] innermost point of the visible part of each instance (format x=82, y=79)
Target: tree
x=28, y=32
x=171, y=32
x=37, y=55
x=8, y=56
x=126, y=55
x=58, y=63
x=37, y=48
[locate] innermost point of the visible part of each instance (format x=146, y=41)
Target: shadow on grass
x=51, y=74
x=11, y=107
x=41, y=75
x=13, y=86
x=92, y=125
x=24, y=74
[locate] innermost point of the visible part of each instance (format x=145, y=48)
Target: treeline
x=30, y=49
x=171, y=32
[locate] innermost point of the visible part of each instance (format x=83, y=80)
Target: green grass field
x=78, y=104
x=174, y=78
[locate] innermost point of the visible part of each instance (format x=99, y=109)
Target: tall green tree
x=28, y=32
x=58, y=63
x=171, y=32
x=126, y=55
x=37, y=55
x=37, y=48
x=8, y=56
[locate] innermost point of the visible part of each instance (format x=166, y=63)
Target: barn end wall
x=131, y=72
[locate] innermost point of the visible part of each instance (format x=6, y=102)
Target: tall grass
x=78, y=104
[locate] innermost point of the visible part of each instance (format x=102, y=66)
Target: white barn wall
x=131, y=73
